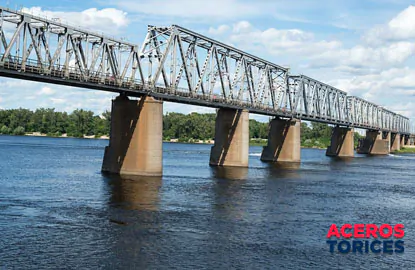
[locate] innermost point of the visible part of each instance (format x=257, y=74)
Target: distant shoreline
x=38, y=134
x=410, y=149
x=254, y=142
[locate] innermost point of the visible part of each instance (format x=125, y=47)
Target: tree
x=19, y=131
x=4, y=130
x=81, y=123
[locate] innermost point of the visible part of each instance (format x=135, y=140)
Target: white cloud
x=313, y=54
x=404, y=108
x=401, y=27
x=274, y=41
x=390, y=88
x=64, y=98
x=222, y=29
x=108, y=20
x=362, y=57
x=46, y=90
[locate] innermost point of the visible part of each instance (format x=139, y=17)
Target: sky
x=363, y=47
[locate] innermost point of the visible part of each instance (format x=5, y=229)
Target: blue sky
x=363, y=47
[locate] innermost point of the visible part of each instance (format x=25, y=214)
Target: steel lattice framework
x=317, y=101
x=371, y=116
x=176, y=64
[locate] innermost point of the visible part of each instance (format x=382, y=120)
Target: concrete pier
x=374, y=144
x=342, y=142
x=136, y=138
x=284, y=143
x=405, y=141
x=386, y=135
x=231, y=146
x=395, y=142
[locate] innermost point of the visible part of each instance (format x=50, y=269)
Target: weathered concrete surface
x=405, y=141
x=408, y=140
x=135, y=146
x=395, y=142
x=386, y=135
x=342, y=142
x=231, y=146
x=374, y=144
x=284, y=143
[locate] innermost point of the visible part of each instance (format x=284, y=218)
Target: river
x=58, y=211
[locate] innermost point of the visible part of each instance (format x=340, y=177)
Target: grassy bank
x=406, y=150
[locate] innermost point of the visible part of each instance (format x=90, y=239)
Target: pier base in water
x=395, y=142
x=136, y=138
x=342, y=143
x=374, y=144
x=231, y=146
x=284, y=143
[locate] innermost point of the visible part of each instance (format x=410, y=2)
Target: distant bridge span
x=179, y=65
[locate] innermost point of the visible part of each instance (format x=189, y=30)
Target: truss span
x=179, y=65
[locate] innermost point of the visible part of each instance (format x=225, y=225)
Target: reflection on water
x=337, y=163
x=228, y=194
x=128, y=242
x=283, y=169
x=230, y=173
x=134, y=192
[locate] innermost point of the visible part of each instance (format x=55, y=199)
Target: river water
x=58, y=211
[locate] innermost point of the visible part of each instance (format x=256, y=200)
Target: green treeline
x=53, y=123
x=196, y=126
x=182, y=127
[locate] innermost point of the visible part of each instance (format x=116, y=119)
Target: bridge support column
x=231, y=146
x=342, y=142
x=395, y=142
x=387, y=135
x=135, y=146
x=405, y=141
x=402, y=141
x=374, y=144
x=284, y=143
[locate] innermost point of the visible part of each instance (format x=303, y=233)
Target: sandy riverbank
x=38, y=134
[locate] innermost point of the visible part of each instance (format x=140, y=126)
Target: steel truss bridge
x=178, y=65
